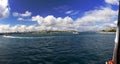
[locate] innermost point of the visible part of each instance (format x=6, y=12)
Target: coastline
x=107, y=32
x=39, y=32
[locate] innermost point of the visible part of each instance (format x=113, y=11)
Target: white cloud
x=22, y=16
x=20, y=19
x=4, y=28
x=17, y=28
x=102, y=15
x=26, y=14
x=51, y=22
x=113, y=2
x=72, y=12
x=69, y=12
x=88, y=22
x=115, y=22
x=4, y=9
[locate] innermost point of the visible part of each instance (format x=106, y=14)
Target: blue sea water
x=83, y=48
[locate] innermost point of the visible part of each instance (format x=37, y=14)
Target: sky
x=78, y=15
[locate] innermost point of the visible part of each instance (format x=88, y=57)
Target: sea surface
x=65, y=48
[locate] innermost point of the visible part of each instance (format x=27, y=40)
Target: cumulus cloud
x=54, y=23
x=102, y=15
x=22, y=16
x=24, y=28
x=88, y=22
x=4, y=9
x=113, y=2
x=4, y=28
x=26, y=14
x=17, y=28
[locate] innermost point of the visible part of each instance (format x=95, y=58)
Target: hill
x=112, y=29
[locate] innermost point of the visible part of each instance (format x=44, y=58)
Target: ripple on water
x=57, y=49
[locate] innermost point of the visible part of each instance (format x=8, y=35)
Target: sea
x=59, y=48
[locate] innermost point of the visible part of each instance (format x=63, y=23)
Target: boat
x=75, y=32
x=116, y=52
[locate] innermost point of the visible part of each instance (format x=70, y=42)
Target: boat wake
x=19, y=37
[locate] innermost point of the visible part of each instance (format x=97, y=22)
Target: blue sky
x=58, y=8
x=80, y=15
x=54, y=7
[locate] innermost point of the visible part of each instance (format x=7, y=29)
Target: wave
x=19, y=37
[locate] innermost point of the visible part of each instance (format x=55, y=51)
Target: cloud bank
x=4, y=9
x=92, y=20
x=88, y=22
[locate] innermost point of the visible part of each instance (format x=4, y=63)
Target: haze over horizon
x=79, y=15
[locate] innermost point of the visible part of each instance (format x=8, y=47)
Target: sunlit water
x=83, y=48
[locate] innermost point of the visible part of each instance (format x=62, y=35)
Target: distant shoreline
x=107, y=32
x=38, y=32
x=51, y=32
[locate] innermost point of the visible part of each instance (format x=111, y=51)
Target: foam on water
x=21, y=37
x=5, y=36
